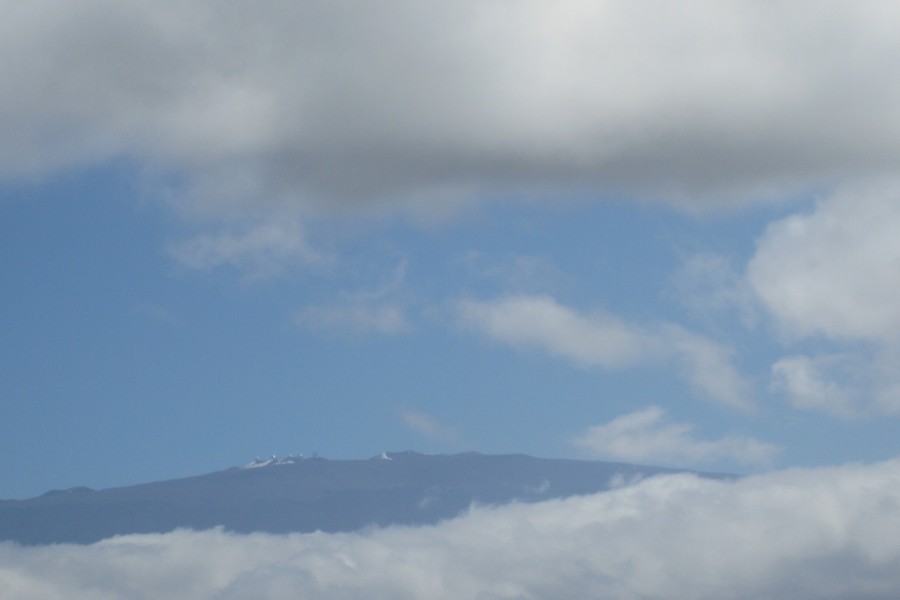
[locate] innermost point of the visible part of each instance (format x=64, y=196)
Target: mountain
x=296, y=494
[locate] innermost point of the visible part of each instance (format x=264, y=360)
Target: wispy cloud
x=428, y=426
x=516, y=272
x=259, y=252
x=155, y=312
x=354, y=315
x=646, y=436
x=801, y=534
x=810, y=383
x=711, y=288
x=854, y=383
x=382, y=310
x=598, y=339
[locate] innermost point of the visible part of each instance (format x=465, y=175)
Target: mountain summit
x=297, y=494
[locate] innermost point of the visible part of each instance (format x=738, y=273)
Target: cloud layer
x=822, y=533
x=701, y=104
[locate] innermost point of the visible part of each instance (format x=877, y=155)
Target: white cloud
x=802, y=534
x=602, y=340
x=809, y=383
x=833, y=271
x=701, y=104
x=539, y=321
x=260, y=252
x=646, y=436
x=828, y=277
x=855, y=383
x=707, y=367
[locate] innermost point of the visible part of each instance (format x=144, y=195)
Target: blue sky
x=598, y=230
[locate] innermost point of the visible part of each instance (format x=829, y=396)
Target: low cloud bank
x=802, y=533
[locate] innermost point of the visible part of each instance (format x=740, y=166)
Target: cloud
x=710, y=287
x=260, y=252
x=602, y=340
x=539, y=321
x=646, y=437
x=155, y=312
x=833, y=271
x=804, y=533
x=707, y=366
x=520, y=273
x=354, y=316
x=428, y=426
x=701, y=105
x=381, y=310
x=854, y=383
x=810, y=383
x=827, y=278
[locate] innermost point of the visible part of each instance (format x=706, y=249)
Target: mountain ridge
x=311, y=494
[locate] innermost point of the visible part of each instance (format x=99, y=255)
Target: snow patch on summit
x=258, y=462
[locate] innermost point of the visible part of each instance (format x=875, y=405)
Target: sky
x=649, y=232
x=627, y=230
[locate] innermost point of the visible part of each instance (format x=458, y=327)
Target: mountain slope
x=303, y=495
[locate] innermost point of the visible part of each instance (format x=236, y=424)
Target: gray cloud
x=803, y=533
x=702, y=105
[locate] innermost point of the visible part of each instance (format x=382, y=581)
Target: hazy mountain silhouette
x=304, y=495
